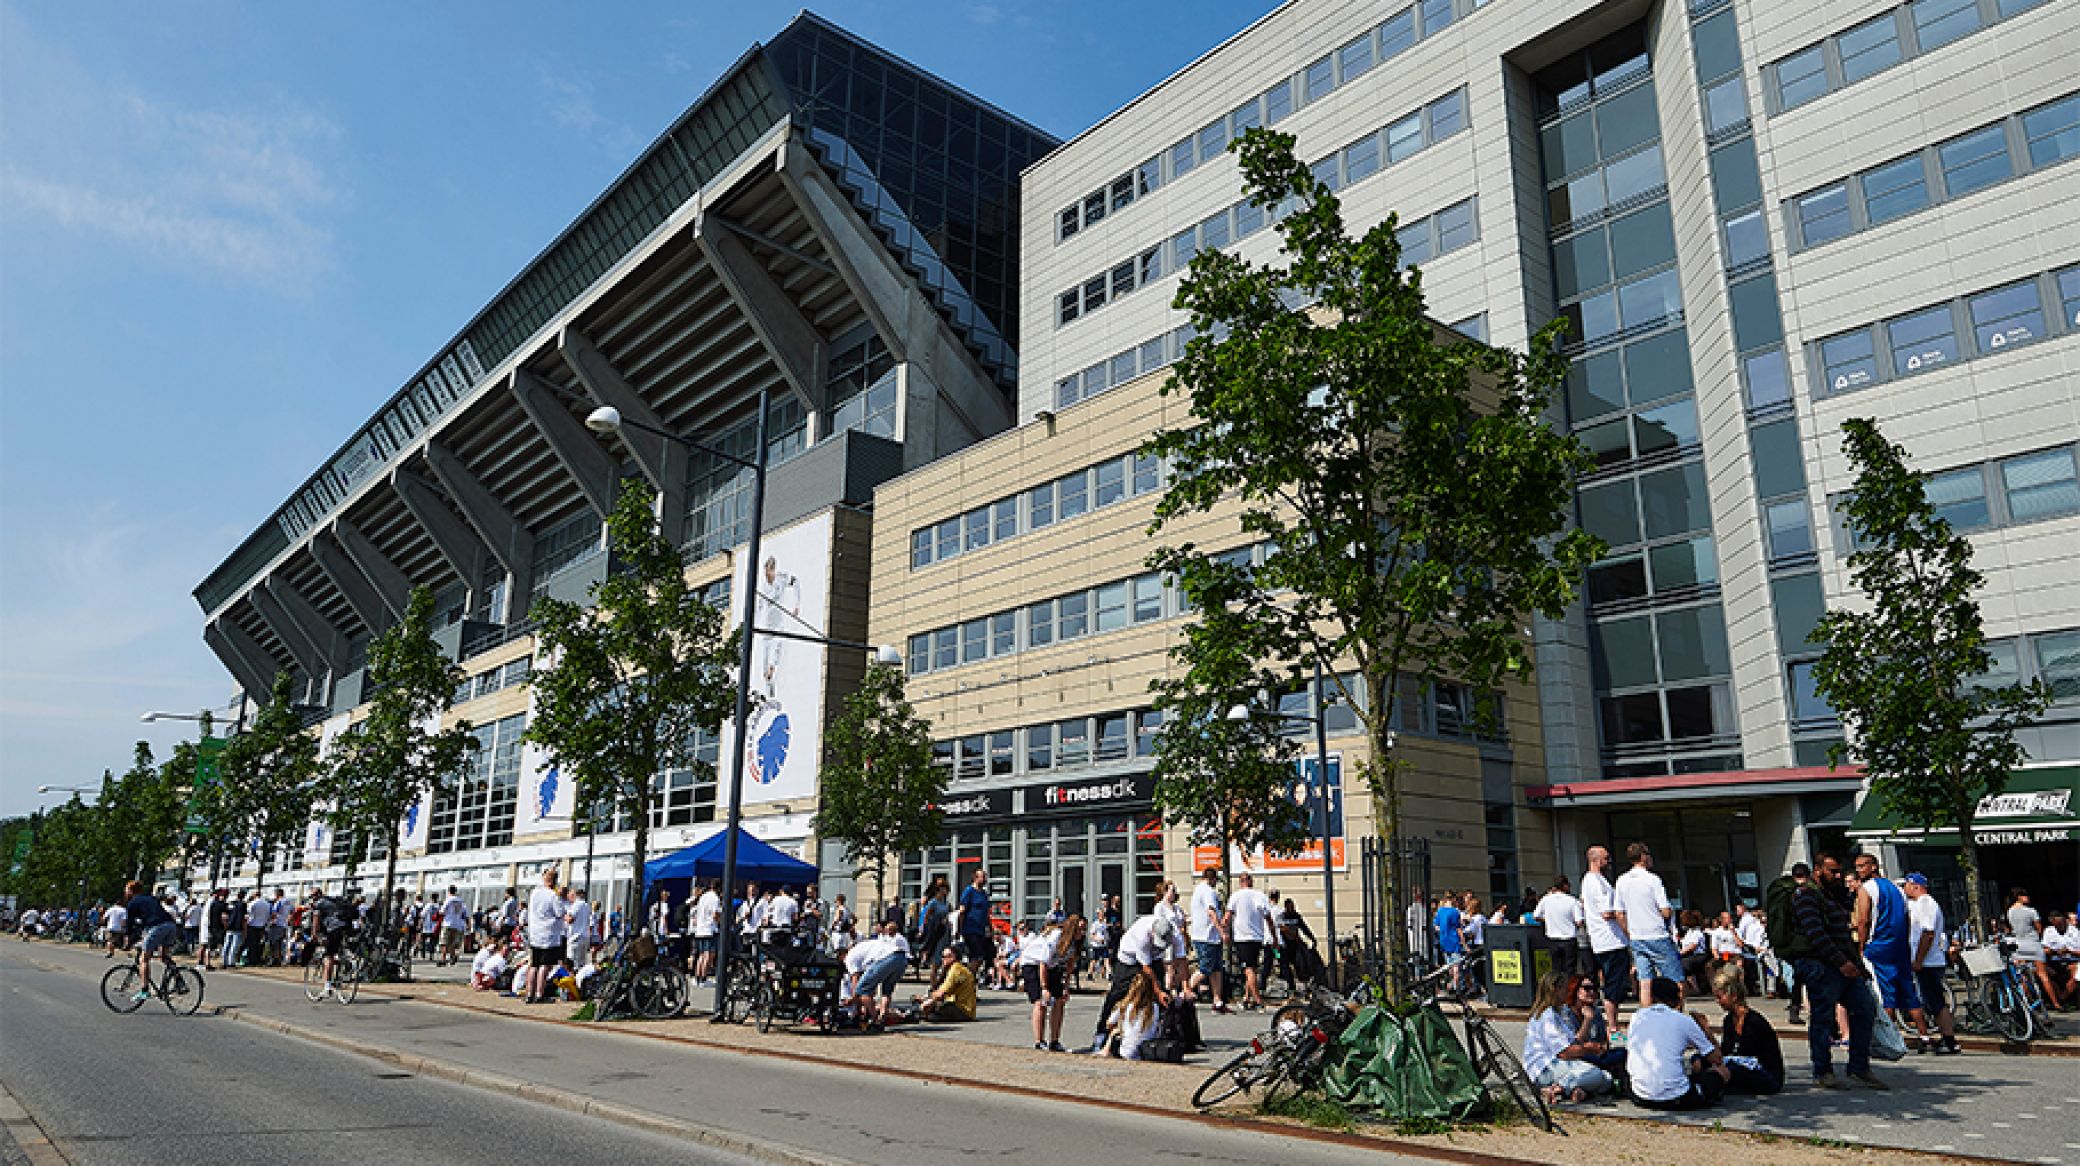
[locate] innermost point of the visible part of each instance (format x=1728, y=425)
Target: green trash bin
x=1518, y=959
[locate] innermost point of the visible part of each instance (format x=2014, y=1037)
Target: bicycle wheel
x=119, y=989
x=182, y=991
x=1244, y=1072
x=1492, y=1059
x=314, y=979
x=768, y=1004
x=2011, y=1015
x=346, y=982
x=657, y=993
x=743, y=994
x=1303, y=1072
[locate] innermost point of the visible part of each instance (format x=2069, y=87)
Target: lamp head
x=887, y=655
x=43, y=789
x=605, y=419
x=1238, y=712
x=148, y=718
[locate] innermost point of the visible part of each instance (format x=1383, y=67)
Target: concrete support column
x=792, y=341
x=353, y=586
x=662, y=461
x=464, y=552
x=243, y=656
x=576, y=449
x=503, y=536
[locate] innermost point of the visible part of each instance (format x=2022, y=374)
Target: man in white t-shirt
x=1754, y=939
x=1928, y=950
x=707, y=932
x=876, y=965
x=116, y=923
x=259, y=913
x=1208, y=934
x=545, y=931
x=782, y=912
x=454, y=925
x=1657, y=1048
x=1561, y=913
x=1249, y=918
x=1142, y=949
x=1609, y=952
x=1644, y=912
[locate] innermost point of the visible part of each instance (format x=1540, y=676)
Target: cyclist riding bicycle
x=331, y=920
x=149, y=919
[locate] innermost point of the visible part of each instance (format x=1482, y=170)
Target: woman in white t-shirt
x=1178, y=967
x=1137, y=1018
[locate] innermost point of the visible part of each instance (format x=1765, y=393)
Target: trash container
x=1517, y=959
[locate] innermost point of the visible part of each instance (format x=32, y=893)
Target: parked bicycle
x=1493, y=1060
x=635, y=982
x=1286, y=1058
x=1997, y=1000
x=180, y=988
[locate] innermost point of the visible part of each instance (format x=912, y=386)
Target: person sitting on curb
x=1657, y=1054
x=1754, y=1059
x=1565, y=1048
x=487, y=970
x=1137, y=1018
x=954, y=998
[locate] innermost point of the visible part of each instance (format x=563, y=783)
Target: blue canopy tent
x=757, y=862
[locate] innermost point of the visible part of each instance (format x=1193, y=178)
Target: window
x=1756, y=321
x=1736, y=179
x=2058, y=663
x=1278, y=102
x=1768, y=379
x=1807, y=705
x=1790, y=535
x=1003, y=633
x=1404, y=137
x=1040, y=507
x=1213, y=138
x=1249, y=219
x=1437, y=15
x=1360, y=159
x=1674, y=501
x=2007, y=316
x=1398, y=34
x=1747, y=239
x=1122, y=191
x=1183, y=246
x=1072, y=742
x=1959, y=498
x=1975, y=160
x=1456, y=226
x=1801, y=77
x=945, y=648
x=1122, y=279
x=1002, y=751
x=1148, y=473
x=1923, y=341
x=920, y=548
x=1869, y=48
x=1069, y=308
x=2052, y=132
x=1181, y=159
x=1072, y=616
x=1040, y=624
x=2040, y=485
x=1725, y=105
x=1938, y=22
x=1822, y=215
x=1112, y=737
x=1213, y=233
x=1072, y=495
x=1111, y=608
x=1633, y=176
x=1895, y=189
x=1040, y=747
x=1111, y=481
x=1447, y=115
x=1318, y=79
x=1004, y=518
x=1247, y=116
x=2069, y=295
x=1147, y=598
x=1415, y=242
x=1848, y=362
x=1355, y=59
x=976, y=525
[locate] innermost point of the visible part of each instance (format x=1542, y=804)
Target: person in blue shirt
x=149, y=920
x=975, y=921
x=1449, y=923
x=1880, y=922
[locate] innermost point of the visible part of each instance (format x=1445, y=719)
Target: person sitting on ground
x=1563, y=1051
x=1137, y=1018
x=2062, y=960
x=1004, y=972
x=487, y=970
x=1657, y=1054
x=1754, y=1059
x=876, y=965
x=954, y=998
x=1694, y=949
x=1725, y=942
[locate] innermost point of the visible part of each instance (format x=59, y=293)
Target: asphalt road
x=157, y=1090
x=199, y=1080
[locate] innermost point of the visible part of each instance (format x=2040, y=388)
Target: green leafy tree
x=1903, y=671
x=1413, y=495
x=142, y=817
x=879, y=792
x=270, y=779
x=397, y=757
x=630, y=680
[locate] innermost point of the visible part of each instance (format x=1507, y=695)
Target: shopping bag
x=1886, y=1042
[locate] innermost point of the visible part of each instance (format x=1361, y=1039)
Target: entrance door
x=1073, y=887
x=1112, y=883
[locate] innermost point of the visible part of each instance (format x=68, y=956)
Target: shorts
x=1934, y=999
x=451, y=937
x=1656, y=959
x=159, y=937
x=1896, y=986
x=882, y=976
x=1041, y=981
x=335, y=941
x=981, y=948
x=1249, y=952
x=544, y=957
x=706, y=944
x=1454, y=957
x=1209, y=957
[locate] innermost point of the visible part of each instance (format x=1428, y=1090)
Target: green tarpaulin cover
x=1397, y=1068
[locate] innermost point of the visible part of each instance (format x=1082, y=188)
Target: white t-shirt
x=1037, y=948
x=116, y=920
x=707, y=915
x=1206, y=908
x=545, y=915
x=1561, y=913
x=483, y=966
x=1598, y=898
x=581, y=920
x=1252, y=910
x=1545, y=1038
x=258, y=912
x=1655, y=1047
x=1724, y=942
x=1475, y=925
x=1132, y=1035
x=2060, y=941
x=282, y=907
x=1925, y=915
x=455, y=914
x=1752, y=933
x=1138, y=945
x=1641, y=898
x=195, y=913
x=782, y=911
x=866, y=953
x=1180, y=942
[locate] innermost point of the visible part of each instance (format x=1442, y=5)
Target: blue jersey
x=1888, y=938
x=1448, y=930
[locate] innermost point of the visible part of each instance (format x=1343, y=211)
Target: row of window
x=1360, y=160
x=1395, y=35
x=861, y=385
x=1877, y=44
x=479, y=808
x=1115, y=479
x=1144, y=358
x=511, y=674
x=1665, y=647
x=563, y=546
x=2052, y=657
x=2002, y=492
x=1104, y=608
x=1966, y=163
x=1961, y=329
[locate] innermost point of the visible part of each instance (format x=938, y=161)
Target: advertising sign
x=1308, y=857
x=785, y=741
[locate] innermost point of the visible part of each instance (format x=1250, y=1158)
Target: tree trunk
x=642, y=852
x=1968, y=865
x=1386, y=824
x=389, y=880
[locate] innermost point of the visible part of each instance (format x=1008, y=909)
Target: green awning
x=2039, y=805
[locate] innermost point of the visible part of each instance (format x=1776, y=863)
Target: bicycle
x=1491, y=1055
x=1997, y=999
x=636, y=982
x=1286, y=1058
x=347, y=974
x=180, y=988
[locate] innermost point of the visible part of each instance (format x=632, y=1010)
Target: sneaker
x=1828, y=1081
x=1795, y=1018
x=143, y=994
x=1040, y=1046
x=1948, y=1049
x=1055, y=1046
x=1869, y=1081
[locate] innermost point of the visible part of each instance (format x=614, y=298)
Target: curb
x=656, y=1123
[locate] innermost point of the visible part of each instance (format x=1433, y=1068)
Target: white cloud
x=985, y=14
x=569, y=105
x=244, y=192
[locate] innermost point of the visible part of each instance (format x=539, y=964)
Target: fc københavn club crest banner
x=786, y=731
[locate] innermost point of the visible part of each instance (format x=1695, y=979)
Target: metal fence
x=1410, y=864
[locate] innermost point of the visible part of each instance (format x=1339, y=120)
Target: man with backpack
x=1780, y=927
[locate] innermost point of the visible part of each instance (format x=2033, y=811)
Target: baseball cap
x=1918, y=879
x=1164, y=931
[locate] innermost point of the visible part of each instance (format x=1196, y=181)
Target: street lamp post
x=608, y=419
x=1320, y=721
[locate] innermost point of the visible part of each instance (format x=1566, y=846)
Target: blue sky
x=229, y=231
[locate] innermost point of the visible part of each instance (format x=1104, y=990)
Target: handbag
x=1886, y=1042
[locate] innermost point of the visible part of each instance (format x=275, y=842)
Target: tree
x=1411, y=494
x=397, y=756
x=142, y=817
x=630, y=680
x=1904, y=673
x=270, y=778
x=879, y=793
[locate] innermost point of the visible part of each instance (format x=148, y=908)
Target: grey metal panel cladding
x=346, y=689
x=449, y=640
x=574, y=584
x=845, y=468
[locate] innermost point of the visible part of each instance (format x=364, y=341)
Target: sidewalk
x=2015, y=1108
